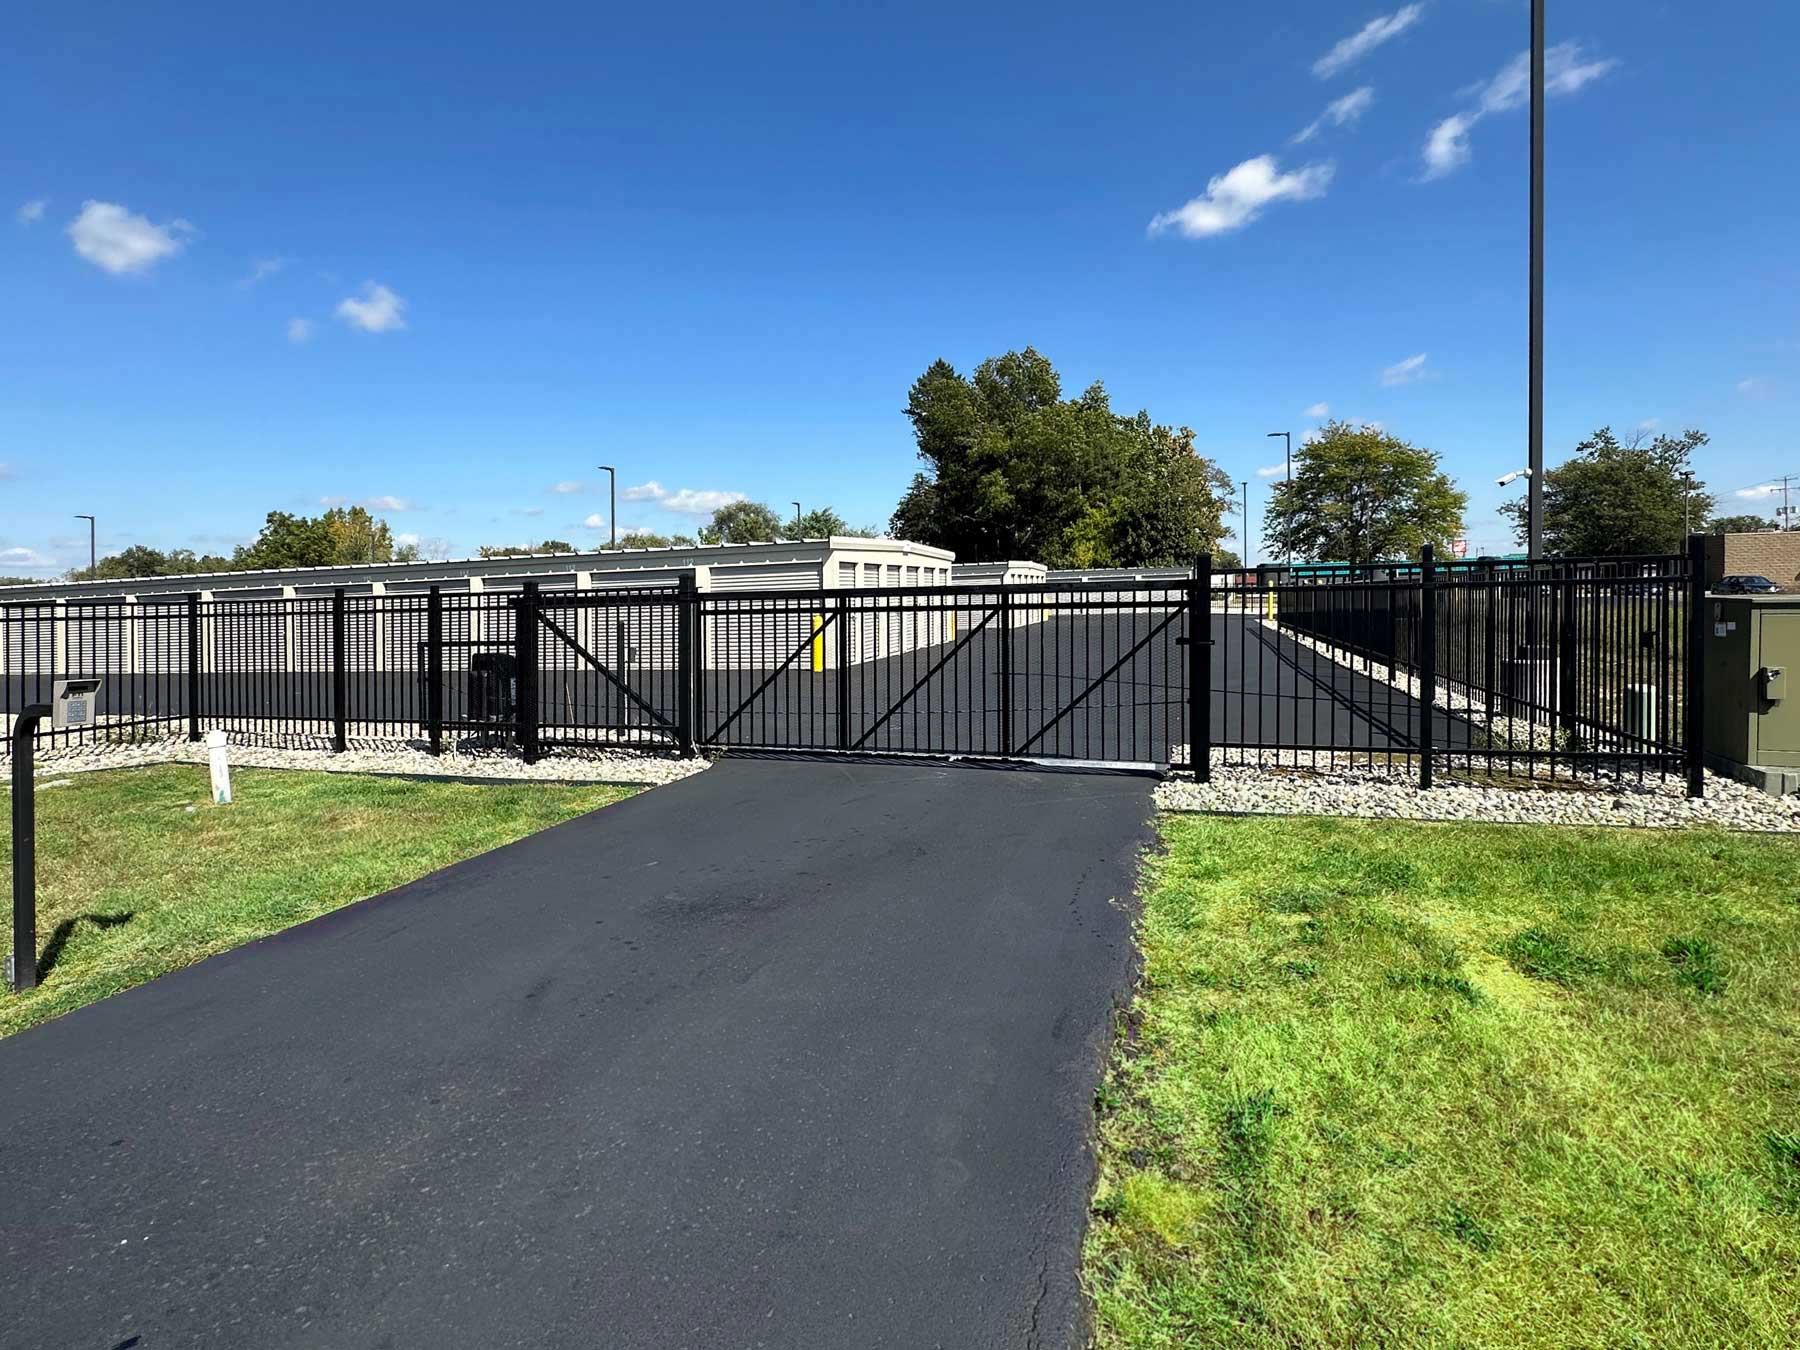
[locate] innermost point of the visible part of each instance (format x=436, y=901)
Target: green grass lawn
x=139, y=874
x=1458, y=1085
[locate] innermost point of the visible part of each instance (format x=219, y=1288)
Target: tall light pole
x=1246, y=558
x=1534, y=490
x=796, y=520
x=93, y=561
x=612, y=502
x=1288, y=437
x=1687, y=501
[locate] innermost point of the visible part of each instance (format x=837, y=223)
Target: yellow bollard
x=818, y=652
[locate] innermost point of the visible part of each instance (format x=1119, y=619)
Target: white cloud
x=1753, y=386
x=33, y=211
x=1366, y=39
x=1319, y=410
x=693, y=503
x=404, y=538
x=262, y=269
x=1339, y=112
x=1760, y=491
x=595, y=521
x=652, y=491
x=1271, y=470
x=1565, y=72
x=528, y=510
x=1404, y=372
x=333, y=501
x=1234, y=199
x=299, y=330
x=385, y=503
x=117, y=241
x=378, y=311
x=1649, y=424
x=23, y=557
x=565, y=487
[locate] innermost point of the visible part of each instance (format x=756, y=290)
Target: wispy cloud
x=699, y=503
x=32, y=211
x=595, y=521
x=567, y=486
x=1754, y=386
x=1345, y=111
x=1565, y=72
x=1271, y=470
x=1348, y=51
x=1759, y=492
x=1319, y=410
x=299, y=330
x=528, y=510
x=23, y=557
x=1405, y=372
x=117, y=241
x=7, y=471
x=388, y=504
x=377, y=310
x=334, y=501
x=1234, y=199
x=652, y=491
x=261, y=270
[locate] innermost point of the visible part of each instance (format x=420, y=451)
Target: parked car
x=1746, y=585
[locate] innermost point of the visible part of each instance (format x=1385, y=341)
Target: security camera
x=1504, y=479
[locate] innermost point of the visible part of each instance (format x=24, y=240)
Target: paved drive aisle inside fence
x=787, y=1054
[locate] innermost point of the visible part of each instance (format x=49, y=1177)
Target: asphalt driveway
x=787, y=1054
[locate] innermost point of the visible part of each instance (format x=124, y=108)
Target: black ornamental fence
x=1580, y=666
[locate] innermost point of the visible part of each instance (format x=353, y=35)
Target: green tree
x=358, y=537
x=1740, y=525
x=742, y=523
x=1362, y=495
x=821, y=523
x=1015, y=470
x=1612, y=497
x=525, y=550
x=651, y=539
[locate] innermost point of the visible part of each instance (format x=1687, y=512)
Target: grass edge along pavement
x=140, y=874
x=1454, y=1084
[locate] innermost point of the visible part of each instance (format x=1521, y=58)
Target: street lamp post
x=93, y=560
x=1288, y=438
x=1246, y=557
x=796, y=520
x=612, y=502
x=1534, y=490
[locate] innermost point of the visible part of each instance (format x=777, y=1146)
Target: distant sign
x=1460, y=547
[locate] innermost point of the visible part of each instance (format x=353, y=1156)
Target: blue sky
x=444, y=259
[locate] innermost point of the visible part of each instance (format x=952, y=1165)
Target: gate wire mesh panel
x=1571, y=667
x=609, y=666
x=1052, y=672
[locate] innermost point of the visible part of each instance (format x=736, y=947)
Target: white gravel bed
x=467, y=759
x=1364, y=793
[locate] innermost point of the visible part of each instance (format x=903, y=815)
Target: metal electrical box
x=1752, y=642
x=74, y=703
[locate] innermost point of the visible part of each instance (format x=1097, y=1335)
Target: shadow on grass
x=66, y=929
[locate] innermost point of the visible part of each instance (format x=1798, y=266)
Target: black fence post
x=841, y=619
x=434, y=669
x=1006, y=671
x=194, y=656
x=1693, y=708
x=340, y=674
x=686, y=632
x=525, y=664
x=1427, y=647
x=24, y=848
x=620, y=651
x=1200, y=670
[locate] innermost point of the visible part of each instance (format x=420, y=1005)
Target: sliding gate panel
x=1079, y=672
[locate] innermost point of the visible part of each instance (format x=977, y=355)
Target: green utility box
x=1752, y=670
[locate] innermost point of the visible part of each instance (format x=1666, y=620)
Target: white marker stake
x=221, y=768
